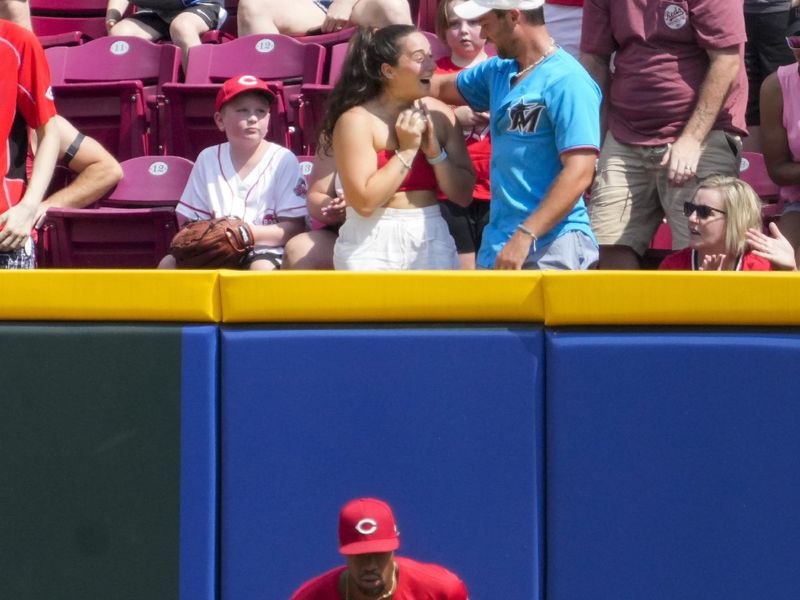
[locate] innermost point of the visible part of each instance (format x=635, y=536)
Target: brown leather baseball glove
x=212, y=244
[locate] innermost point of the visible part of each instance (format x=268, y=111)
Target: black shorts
x=466, y=224
x=764, y=52
x=211, y=13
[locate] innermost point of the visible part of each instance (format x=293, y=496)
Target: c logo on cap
x=367, y=526
x=248, y=80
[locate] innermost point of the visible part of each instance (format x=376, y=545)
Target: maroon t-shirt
x=415, y=581
x=566, y=2
x=661, y=62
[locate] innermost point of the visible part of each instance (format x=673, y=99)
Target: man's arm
x=781, y=166
x=17, y=222
x=575, y=177
x=97, y=171
x=114, y=12
x=682, y=157
x=599, y=67
x=443, y=87
x=16, y=11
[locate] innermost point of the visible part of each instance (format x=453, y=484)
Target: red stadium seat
x=150, y=181
x=107, y=88
x=281, y=60
x=106, y=237
x=68, y=22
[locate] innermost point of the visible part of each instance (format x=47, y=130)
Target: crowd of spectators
x=554, y=134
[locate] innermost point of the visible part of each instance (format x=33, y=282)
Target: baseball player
x=368, y=537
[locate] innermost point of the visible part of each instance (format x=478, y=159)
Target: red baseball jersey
x=24, y=88
x=415, y=581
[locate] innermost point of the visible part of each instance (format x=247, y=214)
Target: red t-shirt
x=661, y=62
x=24, y=86
x=479, y=143
x=415, y=581
x=686, y=260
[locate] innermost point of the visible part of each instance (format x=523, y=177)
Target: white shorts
x=395, y=239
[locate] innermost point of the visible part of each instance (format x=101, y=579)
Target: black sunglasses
x=703, y=211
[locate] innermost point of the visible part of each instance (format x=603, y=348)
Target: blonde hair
x=742, y=207
x=441, y=18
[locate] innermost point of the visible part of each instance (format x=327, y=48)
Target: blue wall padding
x=198, y=495
x=673, y=466
x=445, y=424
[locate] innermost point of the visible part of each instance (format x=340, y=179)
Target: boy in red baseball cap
x=247, y=177
x=368, y=537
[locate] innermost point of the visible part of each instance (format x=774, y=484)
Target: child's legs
x=185, y=30
x=146, y=25
x=263, y=260
x=271, y=16
x=380, y=13
x=311, y=251
x=168, y=262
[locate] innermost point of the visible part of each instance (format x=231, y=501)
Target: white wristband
x=403, y=161
x=529, y=233
x=437, y=159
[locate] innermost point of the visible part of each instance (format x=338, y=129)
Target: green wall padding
x=89, y=462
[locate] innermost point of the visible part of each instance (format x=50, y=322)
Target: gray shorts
x=573, y=251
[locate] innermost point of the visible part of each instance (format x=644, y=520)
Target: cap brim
x=470, y=10
x=370, y=546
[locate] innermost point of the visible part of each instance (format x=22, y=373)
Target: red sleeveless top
x=420, y=176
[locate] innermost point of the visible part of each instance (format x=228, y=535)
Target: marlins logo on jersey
x=524, y=118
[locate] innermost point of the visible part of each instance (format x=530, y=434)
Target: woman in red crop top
x=394, y=148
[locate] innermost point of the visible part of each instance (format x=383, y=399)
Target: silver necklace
x=547, y=52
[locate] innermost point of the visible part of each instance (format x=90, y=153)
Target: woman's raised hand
x=410, y=127
x=430, y=143
x=775, y=248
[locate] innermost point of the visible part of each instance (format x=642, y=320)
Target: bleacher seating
x=105, y=237
x=108, y=89
x=281, y=60
x=68, y=22
x=150, y=181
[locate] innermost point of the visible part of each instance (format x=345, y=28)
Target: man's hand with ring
x=681, y=159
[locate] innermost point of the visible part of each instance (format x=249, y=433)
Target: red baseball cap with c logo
x=239, y=85
x=367, y=525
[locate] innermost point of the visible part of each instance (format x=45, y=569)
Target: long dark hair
x=361, y=79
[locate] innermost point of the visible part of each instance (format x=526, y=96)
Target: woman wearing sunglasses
x=780, y=131
x=725, y=232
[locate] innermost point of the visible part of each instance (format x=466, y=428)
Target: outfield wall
x=547, y=436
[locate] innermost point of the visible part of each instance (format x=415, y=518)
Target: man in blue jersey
x=545, y=127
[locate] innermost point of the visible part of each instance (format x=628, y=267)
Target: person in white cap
x=545, y=127
x=368, y=537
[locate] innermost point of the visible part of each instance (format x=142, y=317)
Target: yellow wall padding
x=374, y=297
x=110, y=295
x=671, y=298
x=553, y=298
